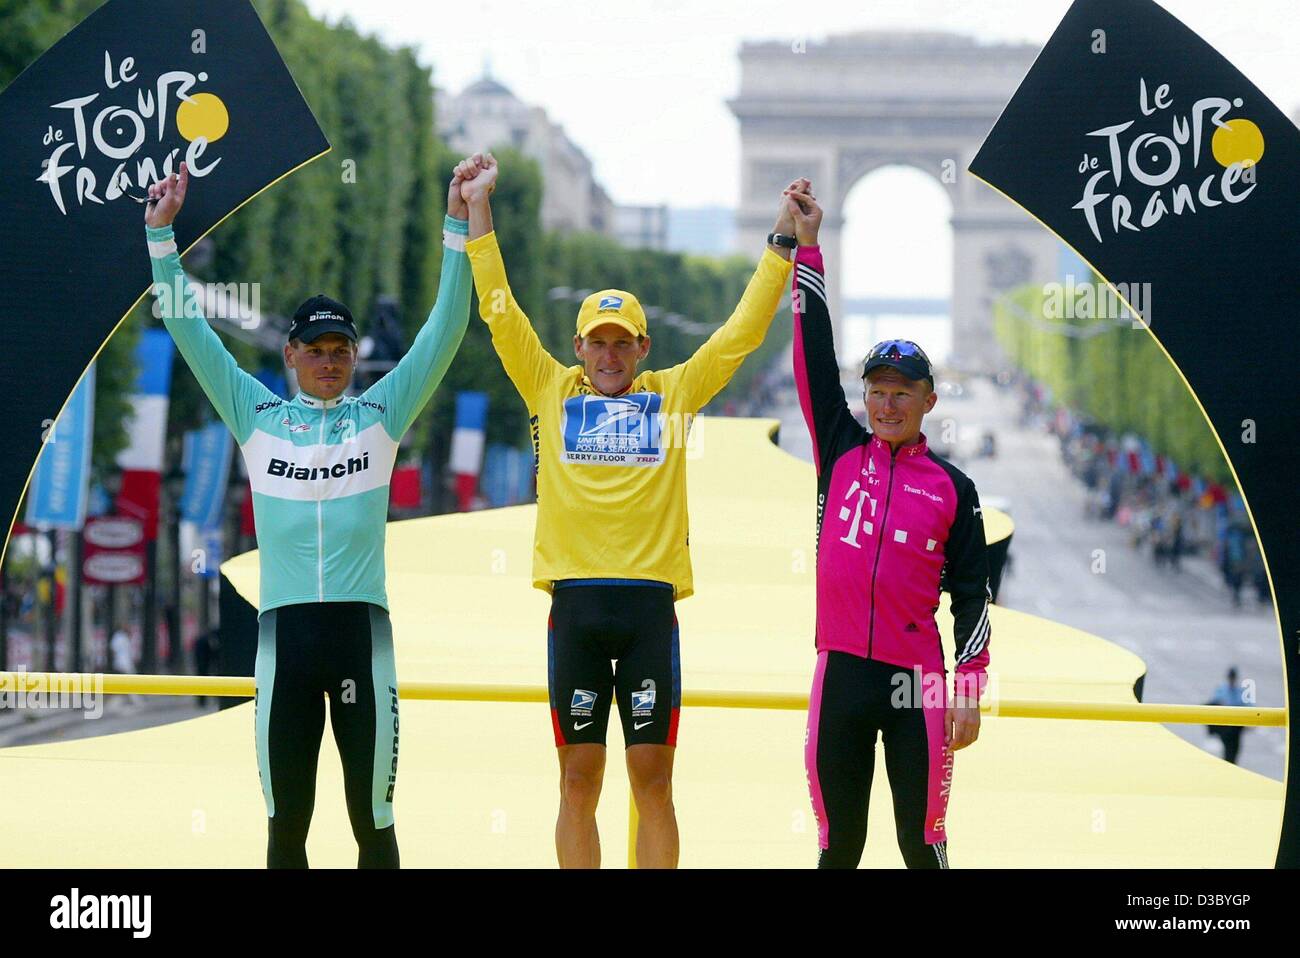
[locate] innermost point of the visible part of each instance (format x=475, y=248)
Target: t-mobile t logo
x=857, y=522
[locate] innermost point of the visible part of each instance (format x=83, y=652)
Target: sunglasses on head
x=897, y=349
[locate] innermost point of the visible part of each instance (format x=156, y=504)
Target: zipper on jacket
x=880, y=544
x=320, y=528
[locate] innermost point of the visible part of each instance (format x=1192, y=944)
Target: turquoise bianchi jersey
x=319, y=469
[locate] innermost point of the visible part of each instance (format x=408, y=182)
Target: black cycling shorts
x=595, y=623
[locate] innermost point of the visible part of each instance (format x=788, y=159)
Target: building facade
x=486, y=115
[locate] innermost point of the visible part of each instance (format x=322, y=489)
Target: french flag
x=467, y=441
x=142, y=460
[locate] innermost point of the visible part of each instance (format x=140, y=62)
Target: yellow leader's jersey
x=611, y=470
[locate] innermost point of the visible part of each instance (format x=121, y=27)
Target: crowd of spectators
x=1169, y=513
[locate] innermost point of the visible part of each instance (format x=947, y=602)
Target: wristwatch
x=780, y=239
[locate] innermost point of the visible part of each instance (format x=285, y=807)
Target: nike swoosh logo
x=577, y=727
x=642, y=725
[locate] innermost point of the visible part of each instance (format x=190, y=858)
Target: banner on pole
x=115, y=105
x=60, y=490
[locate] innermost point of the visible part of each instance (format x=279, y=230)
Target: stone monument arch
x=838, y=109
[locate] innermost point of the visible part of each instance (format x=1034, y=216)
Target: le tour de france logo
x=1156, y=165
x=95, y=140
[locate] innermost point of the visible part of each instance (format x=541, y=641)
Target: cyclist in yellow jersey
x=611, y=538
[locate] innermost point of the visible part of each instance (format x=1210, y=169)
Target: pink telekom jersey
x=892, y=528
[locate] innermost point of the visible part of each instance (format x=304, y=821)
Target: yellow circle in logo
x=204, y=115
x=1238, y=141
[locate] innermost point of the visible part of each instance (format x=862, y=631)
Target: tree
x=1114, y=373
x=28, y=29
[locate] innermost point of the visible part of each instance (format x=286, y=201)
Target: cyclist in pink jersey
x=895, y=525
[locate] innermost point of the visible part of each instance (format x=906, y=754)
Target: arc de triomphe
x=839, y=109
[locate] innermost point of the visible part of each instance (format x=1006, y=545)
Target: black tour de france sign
x=121, y=101
x=1177, y=180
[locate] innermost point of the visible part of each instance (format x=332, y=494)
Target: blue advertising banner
x=207, y=468
x=60, y=486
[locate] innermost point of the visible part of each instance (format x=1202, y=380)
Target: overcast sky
x=641, y=85
x=670, y=65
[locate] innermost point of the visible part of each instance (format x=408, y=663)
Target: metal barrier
x=242, y=687
x=54, y=683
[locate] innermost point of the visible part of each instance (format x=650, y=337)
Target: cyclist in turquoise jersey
x=319, y=465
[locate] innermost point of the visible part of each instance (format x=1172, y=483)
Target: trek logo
x=582, y=703
x=291, y=470
x=392, y=773
x=622, y=430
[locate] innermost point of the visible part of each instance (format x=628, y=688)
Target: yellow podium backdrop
x=478, y=781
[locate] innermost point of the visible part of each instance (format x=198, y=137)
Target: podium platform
x=478, y=784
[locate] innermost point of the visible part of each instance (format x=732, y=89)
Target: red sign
x=114, y=551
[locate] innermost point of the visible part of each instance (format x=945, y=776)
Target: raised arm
x=704, y=375
x=816, y=370
x=406, y=388
x=233, y=393
x=525, y=359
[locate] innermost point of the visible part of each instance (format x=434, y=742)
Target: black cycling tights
x=852, y=700
x=305, y=652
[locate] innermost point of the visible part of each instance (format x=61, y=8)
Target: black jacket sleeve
x=965, y=578
x=816, y=370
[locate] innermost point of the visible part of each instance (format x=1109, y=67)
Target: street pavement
x=115, y=713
